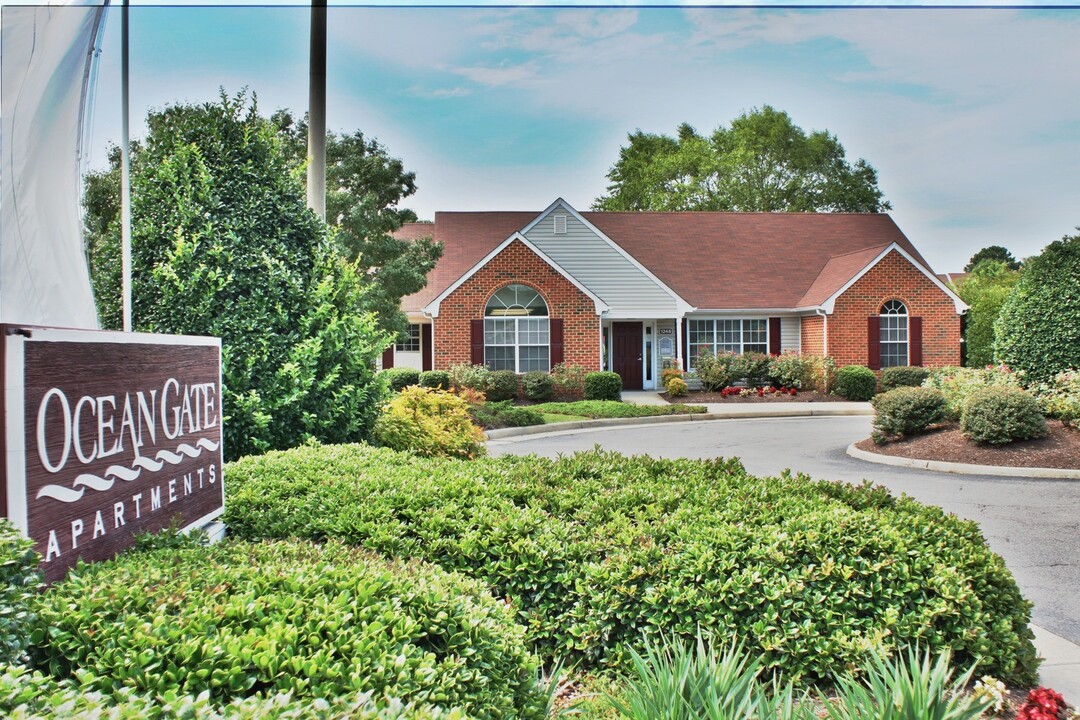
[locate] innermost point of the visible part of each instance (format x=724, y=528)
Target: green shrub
x=1001, y=415
x=907, y=411
x=907, y=376
x=676, y=387
x=791, y=370
x=472, y=377
x=752, y=367
x=31, y=695
x=19, y=579
x=1060, y=398
x=714, y=371
x=429, y=423
x=856, y=382
x=957, y=384
x=1038, y=329
x=435, y=379
x=822, y=373
x=598, y=550
x=538, y=386
x=319, y=621
x=399, y=378
x=603, y=386
x=569, y=381
x=502, y=385
x=492, y=415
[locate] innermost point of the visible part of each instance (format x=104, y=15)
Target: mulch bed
x=1059, y=449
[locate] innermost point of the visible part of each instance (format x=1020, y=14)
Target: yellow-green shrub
x=676, y=387
x=429, y=422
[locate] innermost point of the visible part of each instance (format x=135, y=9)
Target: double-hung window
x=894, y=334
x=410, y=343
x=736, y=335
x=517, y=333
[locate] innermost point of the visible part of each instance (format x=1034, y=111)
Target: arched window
x=517, y=330
x=894, y=334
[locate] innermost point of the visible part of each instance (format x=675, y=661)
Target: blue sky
x=970, y=116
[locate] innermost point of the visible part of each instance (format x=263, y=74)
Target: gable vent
x=560, y=225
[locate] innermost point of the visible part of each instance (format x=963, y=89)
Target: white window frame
x=412, y=343
x=733, y=331
x=529, y=331
x=894, y=334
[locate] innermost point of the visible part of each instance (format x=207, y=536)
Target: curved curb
x=964, y=468
x=502, y=433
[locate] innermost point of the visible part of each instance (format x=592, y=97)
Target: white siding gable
x=608, y=273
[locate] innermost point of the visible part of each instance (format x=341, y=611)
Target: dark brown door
x=626, y=353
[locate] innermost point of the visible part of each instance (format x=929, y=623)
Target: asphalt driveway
x=1033, y=523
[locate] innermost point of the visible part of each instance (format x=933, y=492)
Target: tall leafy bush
x=985, y=291
x=1038, y=329
x=223, y=244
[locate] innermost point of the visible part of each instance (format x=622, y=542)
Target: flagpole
x=316, y=174
x=125, y=167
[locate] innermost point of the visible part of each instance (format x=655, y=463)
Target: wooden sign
x=107, y=435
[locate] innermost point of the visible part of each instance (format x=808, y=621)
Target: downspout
x=824, y=332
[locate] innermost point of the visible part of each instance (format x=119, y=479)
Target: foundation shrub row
x=596, y=551
x=256, y=620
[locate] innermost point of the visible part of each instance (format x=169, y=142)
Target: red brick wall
x=517, y=264
x=894, y=278
x=812, y=336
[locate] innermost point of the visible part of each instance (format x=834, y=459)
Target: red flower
x=1042, y=704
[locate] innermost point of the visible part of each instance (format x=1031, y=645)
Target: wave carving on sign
x=119, y=472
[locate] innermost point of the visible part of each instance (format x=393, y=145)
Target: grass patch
x=596, y=409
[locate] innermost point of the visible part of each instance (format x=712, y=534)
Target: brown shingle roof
x=712, y=260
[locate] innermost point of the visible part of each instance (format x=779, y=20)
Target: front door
x=626, y=353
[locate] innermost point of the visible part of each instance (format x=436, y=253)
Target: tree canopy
x=1038, y=329
x=984, y=290
x=223, y=244
x=762, y=163
x=995, y=253
x=364, y=188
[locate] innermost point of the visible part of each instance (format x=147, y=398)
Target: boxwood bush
x=492, y=415
x=435, y=379
x=904, y=376
x=502, y=385
x=907, y=411
x=399, y=378
x=603, y=386
x=538, y=386
x=26, y=695
x=19, y=579
x=856, y=382
x=319, y=621
x=598, y=550
x=1001, y=415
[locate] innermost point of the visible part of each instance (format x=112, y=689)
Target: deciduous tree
x=763, y=162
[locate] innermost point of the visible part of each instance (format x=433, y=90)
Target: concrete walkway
x=1061, y=667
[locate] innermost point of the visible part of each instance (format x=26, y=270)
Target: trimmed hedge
x=538, y=386
x=598, y=409
x=26, y=695
x=502, y=385
x=494, y=415
x=603, y=386
x=399, y=378
x=435, y=379
x=598, y=550
x=907, y=411
x=319, y=621
x=1001, y=415
x=857, y=383
x=905, y=376
x=19, y=579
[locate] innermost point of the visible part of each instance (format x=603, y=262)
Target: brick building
x=631, y=292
